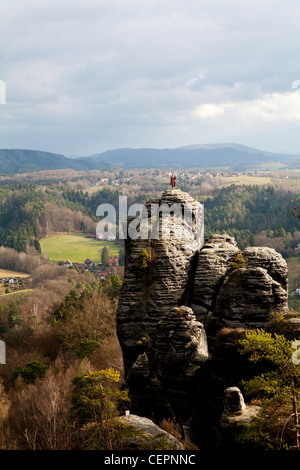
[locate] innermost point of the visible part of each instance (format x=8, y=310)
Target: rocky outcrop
x=170, y=312
x=247, y=298
x=180, y=345
x=161, y=379
x=233, y=294
x=212, y=268
x=235, y=417
x=147, y=296
x=146, y=435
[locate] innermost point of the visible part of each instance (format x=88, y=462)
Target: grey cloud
x=90, y=75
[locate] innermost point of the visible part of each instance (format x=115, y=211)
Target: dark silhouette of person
x=172, y=181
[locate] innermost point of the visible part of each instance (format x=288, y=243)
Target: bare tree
x=39, y=415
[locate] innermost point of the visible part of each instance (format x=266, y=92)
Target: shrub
x=96, y=399
x=31, y=371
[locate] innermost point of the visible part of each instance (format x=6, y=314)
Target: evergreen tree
x=277, y=389
x=105, y=256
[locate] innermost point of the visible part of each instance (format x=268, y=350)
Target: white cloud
x=269, y=107
x=89, y=75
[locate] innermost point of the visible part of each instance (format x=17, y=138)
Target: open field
x=21, y=291
x=246, y=180
x=294, y=272
x=8, y=273
x=75, y=247
x=93, y=189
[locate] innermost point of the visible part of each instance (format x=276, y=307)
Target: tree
x=122, y=256
x=239, y=261
x=95, y=402
x=142, y=261
x=105, y=256
x=116, y=284
x=39, y=415
x=31, y=372
x=277, y=389
x=82, y=322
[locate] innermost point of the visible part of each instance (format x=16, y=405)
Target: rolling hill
x=27, y=161
x=227, y=155
x=235, y=156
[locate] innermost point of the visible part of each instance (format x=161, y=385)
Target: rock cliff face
x=147, y=296
x=170, y=312
x=231, y=294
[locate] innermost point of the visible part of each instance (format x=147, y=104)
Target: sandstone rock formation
x=236, y=416
x=212, y=268
x=224, y=296
x=180, y=344
x=169, y=314
x=147, y=435
x=161, y=378
x=147, y=296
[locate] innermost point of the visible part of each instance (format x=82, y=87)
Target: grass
x=8, y=273
x=75, y=247
x=21, y=291
x=246, y=180
x=294, y=272
x=93, y=189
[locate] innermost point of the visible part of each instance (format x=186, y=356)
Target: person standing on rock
x=172, y=181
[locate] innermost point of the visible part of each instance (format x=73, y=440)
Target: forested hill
x=237, y=157
x=233, y=156
x=26, y=161
x=28, y=212
x=243, y=211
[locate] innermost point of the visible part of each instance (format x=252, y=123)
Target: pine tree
x=277, y=389
x=105, y=256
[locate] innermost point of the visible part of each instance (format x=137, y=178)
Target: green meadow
x=75, y=247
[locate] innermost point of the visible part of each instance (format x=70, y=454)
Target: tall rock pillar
x=173, y=240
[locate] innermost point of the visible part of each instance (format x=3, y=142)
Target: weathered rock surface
x=148, y=436
x=248, y=297
x=180, y=344
x=145, y=298
x=245, y=296
x=235, y=417
x=161, y=378
x=212, y=268
x=233, y=401
x=168, y=317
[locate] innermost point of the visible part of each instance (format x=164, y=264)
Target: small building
x=102, y=275
x=88, y=263
x=68, y=263
x=113, y=262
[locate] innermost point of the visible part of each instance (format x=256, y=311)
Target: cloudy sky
x=85, y=76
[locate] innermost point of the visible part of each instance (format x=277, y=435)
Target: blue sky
x=85, y=76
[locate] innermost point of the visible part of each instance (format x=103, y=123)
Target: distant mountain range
x=235, y=156
x=229, y=155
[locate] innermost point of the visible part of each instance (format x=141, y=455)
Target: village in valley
x=97, y=269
